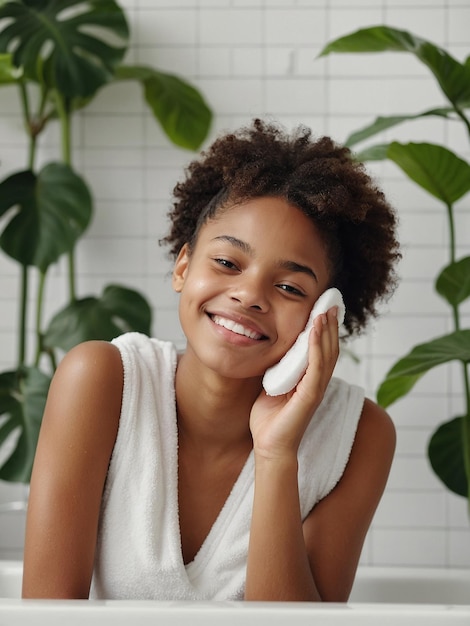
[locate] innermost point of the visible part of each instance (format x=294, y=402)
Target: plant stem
x=52, y=359
x=463, y=117
x=39, y=305
x=466, y=417
x=27, y=123
x=450, y=217
x=71, y=275
x=466, y=431
x=23, y=315
x=64, y=115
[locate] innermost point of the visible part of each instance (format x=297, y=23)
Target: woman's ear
x=180, y=268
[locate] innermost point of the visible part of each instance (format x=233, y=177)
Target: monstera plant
x=446, y=176
x=59, y=54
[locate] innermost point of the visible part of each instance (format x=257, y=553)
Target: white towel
x=139, y=547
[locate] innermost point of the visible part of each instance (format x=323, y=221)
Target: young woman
x=175, y=476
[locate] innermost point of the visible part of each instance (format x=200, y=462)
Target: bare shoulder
x=375, y=433
x=368, y=467
x=90, y=366
x=87, y=387
x=371, y=457
x=91, y=359
x=80, y=422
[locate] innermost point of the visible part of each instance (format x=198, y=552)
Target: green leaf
x=381, y=124
x=119, y=310
x=402, y=377
x=71, y=45
x=435, y=168
x=394, y=388
x=372, y=39
x=22, y=400
x=9, y=74
x=446, y=454
x=373, y=153
x=181, y=110
x=452, y=76
x=453, y=283
x=128, y=307
x=53, y=210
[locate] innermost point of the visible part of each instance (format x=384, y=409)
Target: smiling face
x=249, y=285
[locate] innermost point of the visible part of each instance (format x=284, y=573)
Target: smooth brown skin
x=222, y=414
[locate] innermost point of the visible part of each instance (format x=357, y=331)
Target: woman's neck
x=213, y=411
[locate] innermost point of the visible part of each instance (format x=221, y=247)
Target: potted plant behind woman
x=446, y=176
x=59, y=56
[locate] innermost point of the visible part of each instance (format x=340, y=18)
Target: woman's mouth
x=235, y=327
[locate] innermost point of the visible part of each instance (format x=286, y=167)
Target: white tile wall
x=256, y=58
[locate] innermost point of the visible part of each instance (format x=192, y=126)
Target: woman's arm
x=317, y=559
x=278, y=566
x=77, y=437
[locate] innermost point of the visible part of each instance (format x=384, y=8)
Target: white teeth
x=235, y=328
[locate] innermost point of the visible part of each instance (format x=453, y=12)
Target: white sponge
x=284, y=376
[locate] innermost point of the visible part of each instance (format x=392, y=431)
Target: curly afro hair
x=320, y=178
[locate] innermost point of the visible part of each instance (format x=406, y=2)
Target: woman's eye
x=226, y=263
x=291, y=289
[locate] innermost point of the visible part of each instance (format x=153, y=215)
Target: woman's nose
x=251, y=294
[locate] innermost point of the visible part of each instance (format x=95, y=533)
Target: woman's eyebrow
x=238, y=243
x=290, y=266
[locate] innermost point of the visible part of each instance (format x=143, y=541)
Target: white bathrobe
x=138, y=554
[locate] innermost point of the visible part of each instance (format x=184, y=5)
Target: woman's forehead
x=269, y=226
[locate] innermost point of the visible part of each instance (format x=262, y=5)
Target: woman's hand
x=278, y=423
